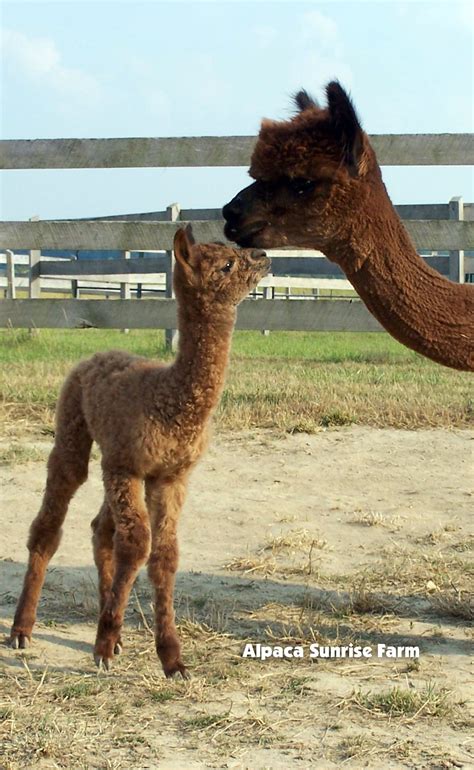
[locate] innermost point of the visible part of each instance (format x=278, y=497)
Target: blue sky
x=104, y=69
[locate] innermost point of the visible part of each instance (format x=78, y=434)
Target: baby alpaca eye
x=228, y=266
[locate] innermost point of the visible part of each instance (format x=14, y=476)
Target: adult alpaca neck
x=414, y=303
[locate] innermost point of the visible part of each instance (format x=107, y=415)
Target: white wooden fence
x=432, y=227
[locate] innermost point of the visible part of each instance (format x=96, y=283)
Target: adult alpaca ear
x=304, y=100
x=346, y=126
x=183, y=248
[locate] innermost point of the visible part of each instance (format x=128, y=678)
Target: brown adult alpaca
x=150, y=422
x=319, y=186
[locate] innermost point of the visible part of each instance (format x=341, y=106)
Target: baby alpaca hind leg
x=67, y=470
x=131, y=546
x=103, y=529
x=165, y=500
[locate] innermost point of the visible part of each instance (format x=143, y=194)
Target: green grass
x=79, y=689
x=70, y=345
x=161, y=696
x=401, y=702
x=203, y=721
x=334, y=347
x=289, y=381
x=13, y=454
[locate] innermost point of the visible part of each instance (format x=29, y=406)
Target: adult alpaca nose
x=233, y=209
x=257, y=254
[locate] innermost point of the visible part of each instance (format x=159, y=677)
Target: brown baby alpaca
x=319, y=186
x=150, y=422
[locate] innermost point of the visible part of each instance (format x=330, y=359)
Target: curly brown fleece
x=150, y=422
x=319, y=186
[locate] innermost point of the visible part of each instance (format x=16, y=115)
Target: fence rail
x=391, y=150
x=323, y=315
x=441, y=227
x=145, y=236
x=146, y=269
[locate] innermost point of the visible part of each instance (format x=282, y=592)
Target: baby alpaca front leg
x=131, y=547
x=165, y=500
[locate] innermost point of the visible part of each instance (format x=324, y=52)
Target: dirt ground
x=351, y=535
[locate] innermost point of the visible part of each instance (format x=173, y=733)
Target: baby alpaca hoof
x=104, y=651
x=169, y=653
x=19, y=641
x=178, y=671
x=101, y=662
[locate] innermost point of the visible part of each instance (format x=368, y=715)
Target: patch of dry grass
x=298, y=396
x=293, y=553
x=414, y=571
x=357, y=746
x=247, y=565
x=80, y=720
x=408, y=703
x=363, y=602
x=455, y=604
x=375, y=519
x=316, y=620
x=224, y=730
x=130, y=716
x=293, y=541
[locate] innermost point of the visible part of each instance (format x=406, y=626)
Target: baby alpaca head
x=213, y=274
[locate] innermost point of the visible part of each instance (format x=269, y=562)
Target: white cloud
x=317, y=27
x=40, y=61
x=319, y=69
x=320, y=55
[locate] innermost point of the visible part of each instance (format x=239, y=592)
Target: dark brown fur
x=319, y=186
x=150, y=422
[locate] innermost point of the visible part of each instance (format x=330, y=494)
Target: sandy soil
x=357, y=506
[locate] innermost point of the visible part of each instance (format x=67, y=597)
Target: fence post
x=11, y=288
x=141, y=255
x=456, y=258
x=125, y=288
x=267, y=294
x=35, y=276
x=34, y=290
x=171, y=335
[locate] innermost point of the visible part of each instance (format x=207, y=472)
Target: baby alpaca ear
x=188, y=230
x=182, y=247
x=346, y=126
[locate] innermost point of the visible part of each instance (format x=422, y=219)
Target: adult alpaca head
x=318, y=185
x=306, y=170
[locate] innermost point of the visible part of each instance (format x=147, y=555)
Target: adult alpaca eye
x=228, y=266
x=302, y=186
